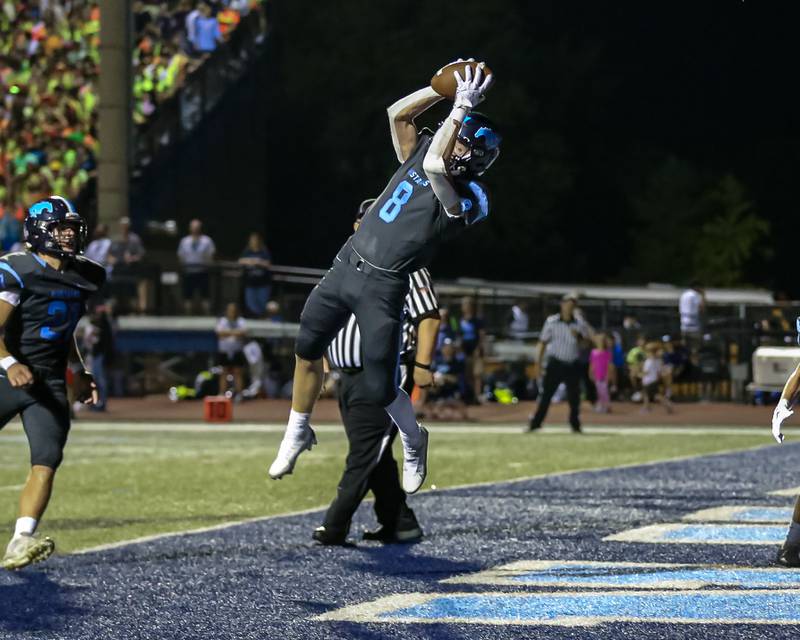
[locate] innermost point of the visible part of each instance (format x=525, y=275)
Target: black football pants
x=44, y=410
x=570, y=374
x=376, y=298
x=370, y=465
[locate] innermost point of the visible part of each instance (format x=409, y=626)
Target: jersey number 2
x=392, y=207
x=61, y=312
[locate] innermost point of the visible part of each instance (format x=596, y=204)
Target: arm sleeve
x=402, y=114
x=421, y=301
x=435, y=163
x=11, y=284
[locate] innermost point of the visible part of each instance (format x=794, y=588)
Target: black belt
x=350, y=370
x=354, y=258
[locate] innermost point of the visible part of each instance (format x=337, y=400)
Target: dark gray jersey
x=48, y=304
x=406, y=224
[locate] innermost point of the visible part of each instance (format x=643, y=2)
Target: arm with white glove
x=470, y=92
x=784, y=408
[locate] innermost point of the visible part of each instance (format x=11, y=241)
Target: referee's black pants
x=370, y=465
x=557, y=372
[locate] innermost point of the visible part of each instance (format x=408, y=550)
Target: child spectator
x=634, y=360
x=449, y=377
x=652, y=378
x=600, y=370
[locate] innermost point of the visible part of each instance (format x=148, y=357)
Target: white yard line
x=12, y=487
x=459, y=429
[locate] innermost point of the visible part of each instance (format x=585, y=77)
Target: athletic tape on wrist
x=8, y=362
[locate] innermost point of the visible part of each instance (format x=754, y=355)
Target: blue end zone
x=641, y=576
x=727, y=607
x=768, y=534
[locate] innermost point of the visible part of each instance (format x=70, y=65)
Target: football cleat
x=292, y=445
x=27, y=549
x=789, y=556
x=329, y=537
x=415, y=463
x=399, y=536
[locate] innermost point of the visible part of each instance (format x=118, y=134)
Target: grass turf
x=116, y=484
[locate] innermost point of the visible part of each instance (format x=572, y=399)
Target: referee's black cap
x=364, y=207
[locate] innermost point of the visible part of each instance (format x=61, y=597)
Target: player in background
x=789, y=554
x=43, y=294
x=432, y=194
x=370, y=465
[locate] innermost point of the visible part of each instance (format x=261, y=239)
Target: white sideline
x=461, y=429
x=226, y=525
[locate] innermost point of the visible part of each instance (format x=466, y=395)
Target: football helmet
x=44, y=216
x=480, y=136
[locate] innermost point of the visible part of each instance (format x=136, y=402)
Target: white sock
x=401, y=410
x=793, y=537
x=297, y=423
x=25, y=526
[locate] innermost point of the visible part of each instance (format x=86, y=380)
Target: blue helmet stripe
x=7, y=267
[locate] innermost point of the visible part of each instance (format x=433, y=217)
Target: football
x=444, y=82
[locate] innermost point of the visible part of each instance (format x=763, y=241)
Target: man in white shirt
x=691, y=305
x=196, y=254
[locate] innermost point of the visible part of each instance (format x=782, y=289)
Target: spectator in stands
x=100, y=246
x=273, y=311
x=653, y=377
x=125, y=258
x=257, y=276
x=691, y=306
x=473, y=337
x=601, y=370
x=207, y=32
x=99, y=345
x=231, y=334
x=196, y=254
x=448, y=327
x=676, y=361
x=519, y=323
x=449, y=376
x=634, y=360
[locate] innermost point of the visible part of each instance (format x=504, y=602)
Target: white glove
x=782, y=411
x=470, y=91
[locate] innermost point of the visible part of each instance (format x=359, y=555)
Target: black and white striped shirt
x=421, y=302
x=562, y=337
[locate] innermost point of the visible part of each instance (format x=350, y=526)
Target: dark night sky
x=587, y=94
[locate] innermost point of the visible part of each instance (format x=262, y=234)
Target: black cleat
x=789, y=556
x=389, y=536
x=532, y=426
x=332, y=538
x=577, y=429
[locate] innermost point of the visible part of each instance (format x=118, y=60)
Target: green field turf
x=119, y=484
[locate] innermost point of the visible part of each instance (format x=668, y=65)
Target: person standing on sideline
x=473, y=337
x=231, y=334
x=601, y=370
x=196, y=253
x=559, y=343
x=257, y=276
x=691, y=306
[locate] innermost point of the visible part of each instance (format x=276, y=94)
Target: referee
x=370, y=432
x=559, y=350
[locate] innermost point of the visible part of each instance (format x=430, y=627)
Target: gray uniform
x=369, y=277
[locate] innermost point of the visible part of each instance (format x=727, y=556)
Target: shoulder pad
x=16, y=266
x=93, y=271
x=474, y=200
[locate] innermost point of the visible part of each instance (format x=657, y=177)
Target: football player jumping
x=433, y=193
x=43, y=294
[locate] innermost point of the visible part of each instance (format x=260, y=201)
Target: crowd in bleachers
x=49, y=67
x=49, y=63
